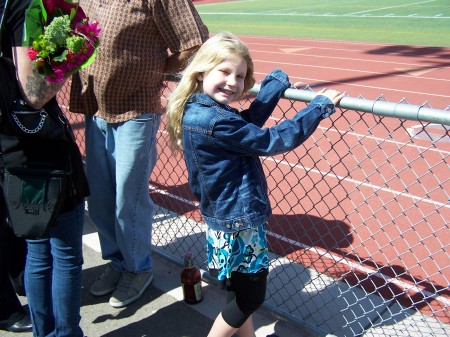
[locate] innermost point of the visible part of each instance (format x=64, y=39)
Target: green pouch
x=33, y=197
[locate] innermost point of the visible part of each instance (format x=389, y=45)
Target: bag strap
x=2, y=26
x=3, y=22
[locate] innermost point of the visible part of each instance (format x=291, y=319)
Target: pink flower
x=71, y=58
x=56, y=77
x=93, y=30
x=51, y=5
x=32, y=54
x=90, y=30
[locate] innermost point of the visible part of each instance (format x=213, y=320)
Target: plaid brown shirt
x=125, y=78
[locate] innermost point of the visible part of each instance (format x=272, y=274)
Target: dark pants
x=13, y=252
x=245, y=294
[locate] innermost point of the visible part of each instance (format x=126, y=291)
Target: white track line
x=366, y=16
x=327, y=49
x=338, y=259
x=330, y=255
x=383, y=8
x=360, y=85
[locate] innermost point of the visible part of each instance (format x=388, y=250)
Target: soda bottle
x=191, y=281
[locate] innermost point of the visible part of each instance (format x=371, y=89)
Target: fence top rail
x=376, y=107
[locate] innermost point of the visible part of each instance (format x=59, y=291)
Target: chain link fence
x=359, y=236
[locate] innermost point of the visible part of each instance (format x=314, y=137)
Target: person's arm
x=237, y=135
x=182, y=29
x=272, y=88
x=177, y=61
x=36, y=91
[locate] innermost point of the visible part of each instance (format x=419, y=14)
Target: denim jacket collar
x=206, y=100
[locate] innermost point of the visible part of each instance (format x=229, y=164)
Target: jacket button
x=228, y=225
x=238, y=224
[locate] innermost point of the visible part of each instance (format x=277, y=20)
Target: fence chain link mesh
x=359, y=237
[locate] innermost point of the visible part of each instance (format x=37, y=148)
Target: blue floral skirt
x=244, y=251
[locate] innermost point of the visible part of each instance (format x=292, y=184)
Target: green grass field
x=408, y=22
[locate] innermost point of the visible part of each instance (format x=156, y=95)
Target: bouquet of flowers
x=61, y=38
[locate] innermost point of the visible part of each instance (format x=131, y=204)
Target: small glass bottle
x=191, y=281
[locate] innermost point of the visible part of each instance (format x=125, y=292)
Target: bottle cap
x=188, y=260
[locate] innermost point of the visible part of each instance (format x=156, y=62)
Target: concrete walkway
x=160, y=312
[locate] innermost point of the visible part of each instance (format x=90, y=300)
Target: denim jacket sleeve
x=237, y=135
x=272, y=88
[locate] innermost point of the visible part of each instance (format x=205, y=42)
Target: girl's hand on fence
x=333, y=95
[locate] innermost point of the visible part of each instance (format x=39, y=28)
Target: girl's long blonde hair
x=214, y=51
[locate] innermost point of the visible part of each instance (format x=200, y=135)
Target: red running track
x=419, y=74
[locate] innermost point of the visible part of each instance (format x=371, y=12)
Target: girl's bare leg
x=247, y=329
x=221, y=328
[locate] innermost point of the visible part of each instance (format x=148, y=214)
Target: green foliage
x=75, y=43
x=57, y=31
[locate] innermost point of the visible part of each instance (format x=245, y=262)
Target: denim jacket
x=222, y=148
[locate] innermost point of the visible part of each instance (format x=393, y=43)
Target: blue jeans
x=120, y=158
x=53, y=278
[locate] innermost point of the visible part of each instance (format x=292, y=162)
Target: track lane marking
x=383, y=8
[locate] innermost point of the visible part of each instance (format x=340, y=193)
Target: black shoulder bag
x=34, y=161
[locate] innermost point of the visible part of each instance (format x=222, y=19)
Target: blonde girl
x=221, y=147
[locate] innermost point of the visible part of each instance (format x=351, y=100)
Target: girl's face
x=225, y=82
